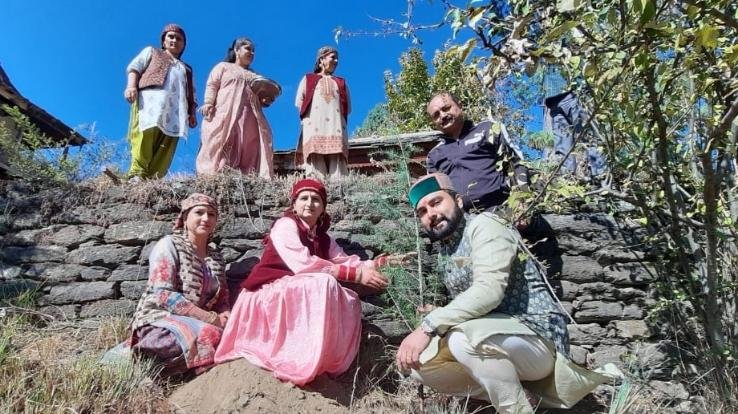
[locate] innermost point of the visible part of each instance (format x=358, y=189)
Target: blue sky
x=69, y=57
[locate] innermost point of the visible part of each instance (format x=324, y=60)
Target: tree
x=660, y=82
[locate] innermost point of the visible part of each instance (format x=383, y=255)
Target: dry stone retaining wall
x=87, y=256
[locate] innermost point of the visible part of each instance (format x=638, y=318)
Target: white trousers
x=326, y=166
x=492, y=371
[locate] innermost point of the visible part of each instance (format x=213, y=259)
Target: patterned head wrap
x=428, y=184
x=309, y=184
x=193, y=200
x=323, y=51
x=172, y=27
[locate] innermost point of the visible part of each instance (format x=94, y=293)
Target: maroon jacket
x=156, y=72
x=311, y=82
x=272, y=267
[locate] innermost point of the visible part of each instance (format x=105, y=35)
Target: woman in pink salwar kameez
x=235, y=132
x=293, y=317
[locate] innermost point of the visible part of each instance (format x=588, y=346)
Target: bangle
x=348, y=274
x=213, y=317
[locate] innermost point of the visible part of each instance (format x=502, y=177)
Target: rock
x=657, y=360
x=612, y=255
x=597, y=291
x=568, y=307
x=363, y=241
x=94, y=273
x=9, y=272
x=604, y=355
x=79, y=215
x=137, y=233
x=630, y=274
x=368, y=311
x=669, y=390
x=28, y=237
x=581, y=269
x=73, y=236
x=394, y=331
x=632, y=311
x=632, y=329
x=108, y=307
x=125, y=213
x=601, y=225
x=568, y=290
x=578, y=355
x=26, y=221
x=629, y=293
x=576, y=245
x=34, y=254
x=586, y=334
x=241, y=245
x=63, y=312
x=53, y=273
x=242, y=228
x=229, y=255
x=129, y=272
x=133, y=290
x=78, y=292
x=103, y=255
x=598, y=311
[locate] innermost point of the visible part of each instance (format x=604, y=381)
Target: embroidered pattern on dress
x=526, y=297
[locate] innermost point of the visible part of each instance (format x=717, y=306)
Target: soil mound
x=239, y=387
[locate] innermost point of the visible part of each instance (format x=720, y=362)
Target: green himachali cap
x=428, y=184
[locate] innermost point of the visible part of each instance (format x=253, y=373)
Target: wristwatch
x=427, y=328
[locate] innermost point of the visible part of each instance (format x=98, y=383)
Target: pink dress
x=297, y=326
x=239, y=135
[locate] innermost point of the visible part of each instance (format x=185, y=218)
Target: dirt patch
x=239, y=387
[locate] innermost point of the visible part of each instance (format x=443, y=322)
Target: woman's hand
x=207, y=111
x=130, y=93
x=394, y=259
x=373, y=279
x=223, y=318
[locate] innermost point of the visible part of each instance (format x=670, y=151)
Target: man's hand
x=408, y=355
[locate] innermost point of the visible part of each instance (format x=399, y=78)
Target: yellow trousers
x=151, y=151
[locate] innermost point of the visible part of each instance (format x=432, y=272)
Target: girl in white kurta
x=324, y=104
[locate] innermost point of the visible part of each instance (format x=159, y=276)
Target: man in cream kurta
x=503, y=331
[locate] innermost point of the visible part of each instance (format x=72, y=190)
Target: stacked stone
x=91, y=259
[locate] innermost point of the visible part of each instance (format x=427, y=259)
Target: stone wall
x=84, y=250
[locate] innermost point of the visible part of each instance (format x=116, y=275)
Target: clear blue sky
x=69, y=57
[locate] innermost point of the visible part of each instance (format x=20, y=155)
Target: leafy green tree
x=659, y=80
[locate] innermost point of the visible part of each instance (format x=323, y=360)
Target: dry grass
x=56, y=369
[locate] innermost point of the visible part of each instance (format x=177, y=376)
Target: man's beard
x=452, y=223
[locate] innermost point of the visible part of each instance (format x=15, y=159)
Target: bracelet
x=381, y=261
x=213, y=317
x=348, y=274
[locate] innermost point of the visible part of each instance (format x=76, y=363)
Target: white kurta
x=323, y=129
x=165, y=107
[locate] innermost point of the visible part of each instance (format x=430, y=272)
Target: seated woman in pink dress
x=293, y=317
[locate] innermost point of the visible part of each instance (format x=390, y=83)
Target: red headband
x=309, y=184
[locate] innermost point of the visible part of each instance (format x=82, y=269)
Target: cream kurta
x=324, y=130
x=164, y=107
x=484, y=269
x=239, y=135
